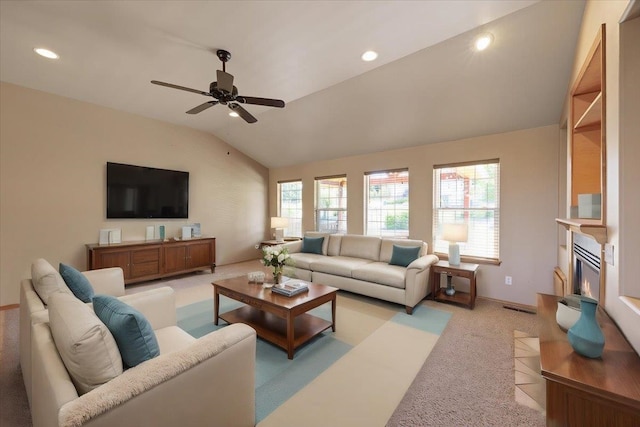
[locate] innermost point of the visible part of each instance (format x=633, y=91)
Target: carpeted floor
x=373, y=341
x=467, y=380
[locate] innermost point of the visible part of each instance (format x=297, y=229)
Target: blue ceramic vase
x=585, y=336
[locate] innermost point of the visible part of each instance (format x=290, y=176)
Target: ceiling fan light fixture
x=46, y=53
x=483, y=41
x=369, y=55
x=234, y=114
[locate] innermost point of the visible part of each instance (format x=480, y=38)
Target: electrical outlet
x=507, y=280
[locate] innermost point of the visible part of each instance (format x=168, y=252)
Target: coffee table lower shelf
x=274, y=329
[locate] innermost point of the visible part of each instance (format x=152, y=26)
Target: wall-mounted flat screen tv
x=143, y=192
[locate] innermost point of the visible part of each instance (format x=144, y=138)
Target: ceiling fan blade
x=155, y=82
x=225, y=81
x=202, y=107
x=243, y=113
x=260, y=101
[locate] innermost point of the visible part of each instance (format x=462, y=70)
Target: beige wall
x=622, y=187
x=529, y=200
x=53, y=152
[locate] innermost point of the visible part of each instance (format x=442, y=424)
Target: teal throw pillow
x=404, y=255
x=132, y=331
x=77, y=282
x=312, y=245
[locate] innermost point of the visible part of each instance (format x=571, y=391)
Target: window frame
x=368, y=211
x=288, y=232
x=466, y=250
x=340, y=211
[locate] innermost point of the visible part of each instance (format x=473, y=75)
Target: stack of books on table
x=290, y=288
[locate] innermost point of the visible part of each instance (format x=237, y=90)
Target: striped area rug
x=355, y=376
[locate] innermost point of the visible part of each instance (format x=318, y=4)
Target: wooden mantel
x=590, y=227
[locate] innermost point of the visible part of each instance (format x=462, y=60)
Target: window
x=331, y=204
x=468, y=193
x=290, y=206
x=387, y=204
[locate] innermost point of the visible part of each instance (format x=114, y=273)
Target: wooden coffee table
x=279, y=319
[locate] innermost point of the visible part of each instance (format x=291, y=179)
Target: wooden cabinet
x=184, y=256
x=142, y=261
x=587, y=132
x=588, y=392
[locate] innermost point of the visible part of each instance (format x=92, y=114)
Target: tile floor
x=530, y=386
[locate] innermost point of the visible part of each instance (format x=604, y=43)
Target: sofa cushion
x=77, y=282
x=325, y=242
x=382, y=273
x=366, y=247
x=312, y=245
x=87, y=348
x=46, y=280
x=335, y=240
x=386, y=247
x=337, y=265
x=132, y=331
x=404, y=255
x=304, y=260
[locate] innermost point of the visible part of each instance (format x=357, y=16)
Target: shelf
x=590, y=227
x=463, y=298
x=592, y=115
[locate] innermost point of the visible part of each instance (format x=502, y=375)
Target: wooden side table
x=466, y=270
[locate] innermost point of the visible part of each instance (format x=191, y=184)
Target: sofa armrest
x=106, y=281
x=157, y=305
x=423, y=262
x=417, y=279
x=293, y=247
x=212, y=380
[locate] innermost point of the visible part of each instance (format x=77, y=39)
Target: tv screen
x=143, y=192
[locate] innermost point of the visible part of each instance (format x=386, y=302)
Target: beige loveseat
x=193, y=382
x=360, y=264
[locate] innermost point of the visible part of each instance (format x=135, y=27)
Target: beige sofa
x=193, y=382
x=360, y=264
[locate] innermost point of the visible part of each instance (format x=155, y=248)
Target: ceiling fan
x=224, y=92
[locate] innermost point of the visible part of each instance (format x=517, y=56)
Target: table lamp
x=454, y=233
x=279, y=223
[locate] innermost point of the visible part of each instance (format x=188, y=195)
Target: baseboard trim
x=513, y=305
x=9, y=307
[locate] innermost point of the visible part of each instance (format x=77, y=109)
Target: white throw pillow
x=46, y=280
x=86, y=346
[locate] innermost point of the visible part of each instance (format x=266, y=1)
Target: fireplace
x=586, y=266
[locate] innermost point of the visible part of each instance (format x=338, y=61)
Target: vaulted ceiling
x=427, y=85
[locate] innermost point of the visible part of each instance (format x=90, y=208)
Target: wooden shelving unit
x=592, y=117
x=587, y=128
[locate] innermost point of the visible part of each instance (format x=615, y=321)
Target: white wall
x=529, y=200
x=53, y=154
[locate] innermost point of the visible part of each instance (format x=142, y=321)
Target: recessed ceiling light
x=46, y=53
x=234, y=114
x=369, y=55
x=483, y=41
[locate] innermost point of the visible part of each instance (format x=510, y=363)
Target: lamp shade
x=455, y=232
x=279, y=222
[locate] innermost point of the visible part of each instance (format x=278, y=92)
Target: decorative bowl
x=567, y=316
